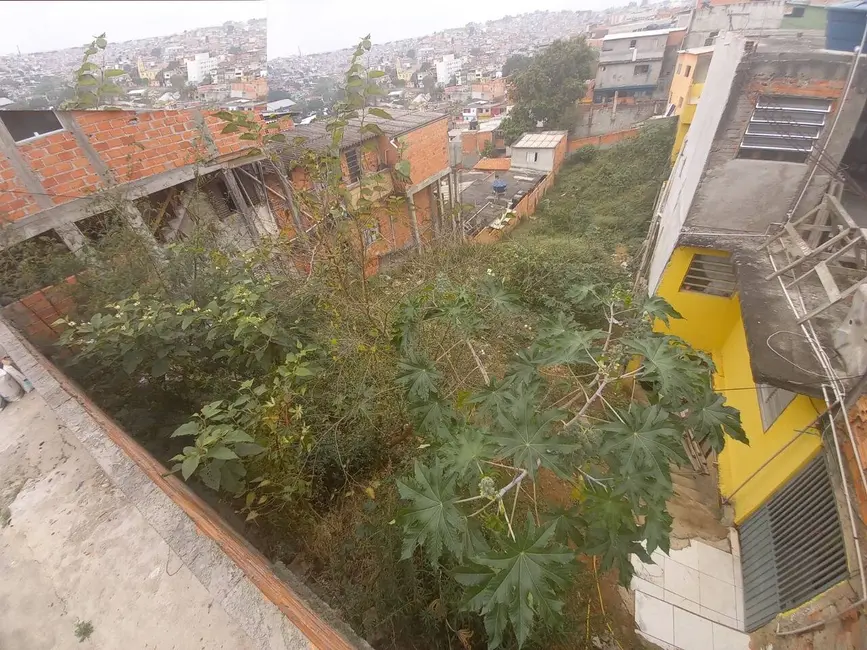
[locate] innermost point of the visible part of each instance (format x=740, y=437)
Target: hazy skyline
x=60, y=25
x=329, y=25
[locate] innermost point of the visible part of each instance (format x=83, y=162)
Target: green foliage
x=93, y=82
x=518, y=584
x=545, y=89
x=518, y=424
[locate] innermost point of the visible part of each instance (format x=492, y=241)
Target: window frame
x=353, y=177
x=31, y=138
x=704, y=264
x=645, y=66
x=773, y=402
x=788, y=112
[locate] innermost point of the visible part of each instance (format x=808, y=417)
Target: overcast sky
x=45, y=26
x=324, y=25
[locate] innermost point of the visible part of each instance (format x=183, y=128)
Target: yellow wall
x=714, y=324
x=680, y=83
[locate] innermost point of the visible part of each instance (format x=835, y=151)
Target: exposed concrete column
x=241, y=202
x=442, y=203
x=74, y=239
x=132, y=217
x=413, y=220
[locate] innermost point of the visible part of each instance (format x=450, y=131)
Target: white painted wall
x=689, y=168
x=523, y=158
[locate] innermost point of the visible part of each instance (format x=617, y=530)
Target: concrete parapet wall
x=275, y=614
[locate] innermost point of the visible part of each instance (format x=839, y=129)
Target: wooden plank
x=254, y=565
x=830, y=258
x=828, y=244
x=828, y=282
x=841, y=212
x=796, y=239
x=818, y=310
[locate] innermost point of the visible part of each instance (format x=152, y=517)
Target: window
x=633, y=43
x=784, y=129
x=642, y=68
x=353, y=165
x=711, y=38
x=687, y=71
x=23, y=125
x=532, y=156
x=772, y=402
x=679, y=66
x=791, y=548
x=711, y=274
x=371, y=234
x=679, y=102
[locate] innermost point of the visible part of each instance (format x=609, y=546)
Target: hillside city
x=545, y=332
x=437, y=70
x=220, y=65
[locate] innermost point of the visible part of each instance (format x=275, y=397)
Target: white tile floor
x=691, y=599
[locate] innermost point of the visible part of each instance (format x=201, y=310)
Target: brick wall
x=427, y=149
x=602, y=141
x=15, y=201
x=131, y=145
x=35, y=314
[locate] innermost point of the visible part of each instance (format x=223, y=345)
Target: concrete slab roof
x=543, y=140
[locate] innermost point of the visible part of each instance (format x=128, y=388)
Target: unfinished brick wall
x=427, y=149
x=15, y=201
x=130, y=145
x=35, y=314
x=61, y=166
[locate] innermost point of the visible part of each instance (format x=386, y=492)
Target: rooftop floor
x=73, y=548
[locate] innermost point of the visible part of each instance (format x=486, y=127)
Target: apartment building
x=687, y=84
x=758, y=241
x=636, y=64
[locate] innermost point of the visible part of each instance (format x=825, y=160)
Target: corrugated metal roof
x=316, y=136
x=543, y=140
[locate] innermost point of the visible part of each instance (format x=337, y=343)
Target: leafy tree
x=559, y=407
x=547, y=88
x=488, y=150
x=410, y=53
x=207, y=80
x=453, y=80
x=178, y=81
x=516, y=63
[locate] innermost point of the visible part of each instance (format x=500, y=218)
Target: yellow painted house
x=688, y=81
x=750, y=243
x=713, y=323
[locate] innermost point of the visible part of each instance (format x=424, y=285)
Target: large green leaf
x=432, y=520
x=612, y=533
x=501, y=298
x=525, y=437
x=464, y=453
x=572, y=346
x=520, y=584
x=434, y=417
x=676, y=376
x=496, y=396
x=659, y=308
x=710, y=419
x=642, y=440
x=524, y=368
x=656, y=529
x=419, y=377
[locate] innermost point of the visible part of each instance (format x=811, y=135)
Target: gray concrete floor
x=72, y=549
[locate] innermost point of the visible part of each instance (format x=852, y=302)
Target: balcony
x=372, y=187
x=631, y=54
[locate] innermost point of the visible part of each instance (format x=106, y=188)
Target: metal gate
x=792, y=547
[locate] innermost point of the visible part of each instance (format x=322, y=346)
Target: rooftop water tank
x=845, y=28
x=499, y=187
